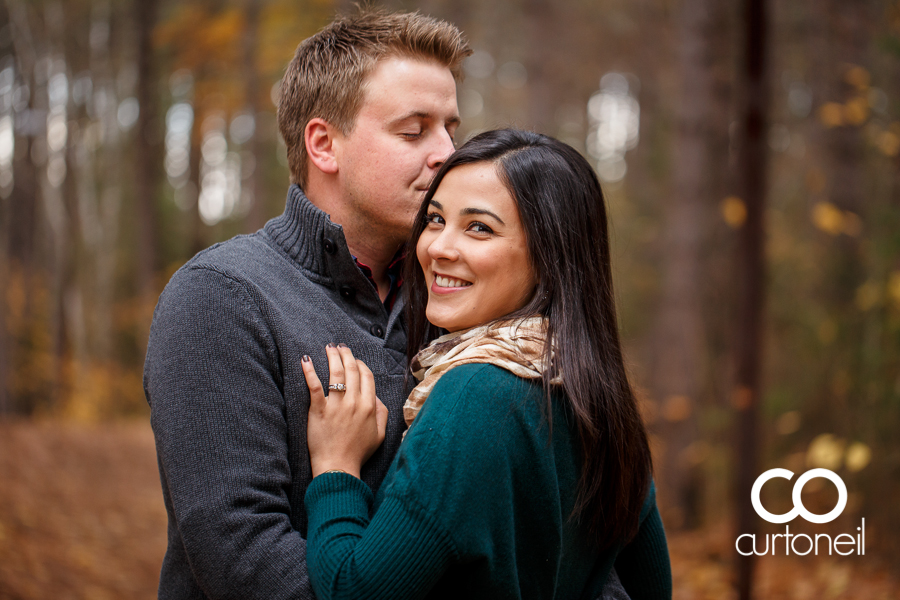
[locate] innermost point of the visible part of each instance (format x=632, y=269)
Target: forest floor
x=82, y=517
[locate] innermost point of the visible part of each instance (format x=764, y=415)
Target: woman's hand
x=345, y=428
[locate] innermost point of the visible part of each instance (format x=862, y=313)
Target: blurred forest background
x=135, y=133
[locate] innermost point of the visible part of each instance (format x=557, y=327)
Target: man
x=368, y=112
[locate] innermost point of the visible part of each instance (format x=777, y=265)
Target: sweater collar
x=307, y=235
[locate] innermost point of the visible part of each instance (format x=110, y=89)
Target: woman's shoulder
x=469, y=376
x=481, y=399
x=484, y=381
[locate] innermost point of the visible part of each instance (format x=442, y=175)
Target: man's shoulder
x=237, y=256
x=249, y=259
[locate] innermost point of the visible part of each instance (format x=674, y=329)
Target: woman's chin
x=443, y=321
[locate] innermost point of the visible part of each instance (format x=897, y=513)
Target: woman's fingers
x=366, y=385
x=344, y=431
x=381, y=417
x=351, y=371
x=335, y=366
x=316, y=393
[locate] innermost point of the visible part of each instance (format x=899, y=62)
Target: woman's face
x=473, y=250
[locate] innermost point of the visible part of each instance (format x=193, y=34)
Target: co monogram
x=799, y=509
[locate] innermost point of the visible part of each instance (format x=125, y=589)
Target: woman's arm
x=643, y=565
x=346, y=427
x=401, y=553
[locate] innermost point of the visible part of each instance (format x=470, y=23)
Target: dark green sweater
x=475, y=505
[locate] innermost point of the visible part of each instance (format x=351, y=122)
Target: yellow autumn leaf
x=889, y=143
x=868, y=295
x=828, y=218
x=893, y=287
x=831, y=114
x=825, y=451
x=677, y=408
x=734, y=211
x=856, y=111
x=858, y=77
x=788, y=423
x=858, y=456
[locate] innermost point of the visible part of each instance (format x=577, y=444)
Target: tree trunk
x=101, y=199
x=256, y=218
x=147, y=150
x=543, y=43
x=751, y=271
x=680, y=360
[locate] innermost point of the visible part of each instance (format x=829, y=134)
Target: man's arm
x=217, y=408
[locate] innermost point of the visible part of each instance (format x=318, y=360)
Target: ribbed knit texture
x=229, y=402
x=476, y=505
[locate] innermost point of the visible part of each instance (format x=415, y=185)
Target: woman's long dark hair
x=562, y=210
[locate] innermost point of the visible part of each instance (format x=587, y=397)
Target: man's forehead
x=406, y=88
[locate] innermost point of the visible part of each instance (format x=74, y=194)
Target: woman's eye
x=434, y=219
x=478, y=227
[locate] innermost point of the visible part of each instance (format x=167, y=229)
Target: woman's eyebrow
x=468, y=211
x=480, y=211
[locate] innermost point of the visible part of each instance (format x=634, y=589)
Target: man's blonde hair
x=326, y=76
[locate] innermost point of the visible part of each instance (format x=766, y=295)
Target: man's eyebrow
x=418, y=114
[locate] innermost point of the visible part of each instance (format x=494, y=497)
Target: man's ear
x=319, y=137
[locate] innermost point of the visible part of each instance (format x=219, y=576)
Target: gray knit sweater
x=229, y=402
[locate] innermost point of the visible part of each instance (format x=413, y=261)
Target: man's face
x=402, y=134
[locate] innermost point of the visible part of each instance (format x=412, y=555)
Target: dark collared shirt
x=394, y=273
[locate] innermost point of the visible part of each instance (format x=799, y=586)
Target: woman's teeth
x=447, y=282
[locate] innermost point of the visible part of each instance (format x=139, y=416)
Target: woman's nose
x=443, y=247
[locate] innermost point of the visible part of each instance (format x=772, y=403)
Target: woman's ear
x=319, y=137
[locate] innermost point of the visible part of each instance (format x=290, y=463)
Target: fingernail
x=305, y=358
x=329, y=345
x=342, y=345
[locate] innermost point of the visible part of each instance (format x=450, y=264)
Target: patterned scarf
x=517, y=346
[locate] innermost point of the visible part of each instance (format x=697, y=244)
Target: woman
x=526, y=469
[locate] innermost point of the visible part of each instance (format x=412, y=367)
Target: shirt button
x=330, y=246
x=347, y=292
x=377, y=330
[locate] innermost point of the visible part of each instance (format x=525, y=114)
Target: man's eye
x=412, y=136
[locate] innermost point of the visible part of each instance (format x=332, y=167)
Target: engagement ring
x=337, y=387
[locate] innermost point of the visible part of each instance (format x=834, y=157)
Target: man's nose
x=443, y=149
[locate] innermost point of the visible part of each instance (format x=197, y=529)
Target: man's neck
x=371, y=248
x=377, y=259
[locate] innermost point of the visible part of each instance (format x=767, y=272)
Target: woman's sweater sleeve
x=643, y=565
x=435, y=508
x=401, y=555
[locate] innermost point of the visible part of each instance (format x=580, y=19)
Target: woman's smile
x=473, y=250
x=444, y=284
